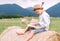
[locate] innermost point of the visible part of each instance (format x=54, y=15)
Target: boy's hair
x=37, y=9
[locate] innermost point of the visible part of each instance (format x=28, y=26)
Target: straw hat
x=36, y=6
x=39, y=5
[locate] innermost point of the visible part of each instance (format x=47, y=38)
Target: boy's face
x=40, y=11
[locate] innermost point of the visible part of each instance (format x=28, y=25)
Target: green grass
x=4, y=23
x=55, y=24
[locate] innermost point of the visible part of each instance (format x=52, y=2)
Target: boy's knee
x=32, y=31
x=19, y=32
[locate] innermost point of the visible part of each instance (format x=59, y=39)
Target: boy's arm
x=39, y=27
x=28, y=27
x=35, y=27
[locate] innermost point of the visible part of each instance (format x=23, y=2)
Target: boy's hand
x=31, y=25
x=37, y=27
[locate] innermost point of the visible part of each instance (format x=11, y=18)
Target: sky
x=30, y=3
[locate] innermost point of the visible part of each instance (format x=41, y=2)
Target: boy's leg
x=23, y=31
x=20, y=31
x=31, y=34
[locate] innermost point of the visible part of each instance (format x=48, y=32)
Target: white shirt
x=44, y=20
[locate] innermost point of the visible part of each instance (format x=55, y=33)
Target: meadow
x=5, y=23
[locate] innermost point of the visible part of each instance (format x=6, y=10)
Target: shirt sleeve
x=46, y=20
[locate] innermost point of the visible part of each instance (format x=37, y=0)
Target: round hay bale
x=47, y=36
x=10, y=35
x=34, y=21
x=42, y=36
x=55, y=37
x=24, y=20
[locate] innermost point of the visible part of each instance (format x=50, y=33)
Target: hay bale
x=34, y=21
x=43, y=36
x=10, y=35
x=24, y=20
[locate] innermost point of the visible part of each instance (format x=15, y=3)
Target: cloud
x=30, y=3
x=47, y=4
x=7, y=1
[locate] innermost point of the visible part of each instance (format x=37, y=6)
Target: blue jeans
x=38, y=31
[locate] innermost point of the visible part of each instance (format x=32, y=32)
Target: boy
x=44, y=21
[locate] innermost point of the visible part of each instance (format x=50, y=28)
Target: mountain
x=54, y=11
x=14, y=9
x=30, y=9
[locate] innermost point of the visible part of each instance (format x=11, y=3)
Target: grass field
x=4, y=23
